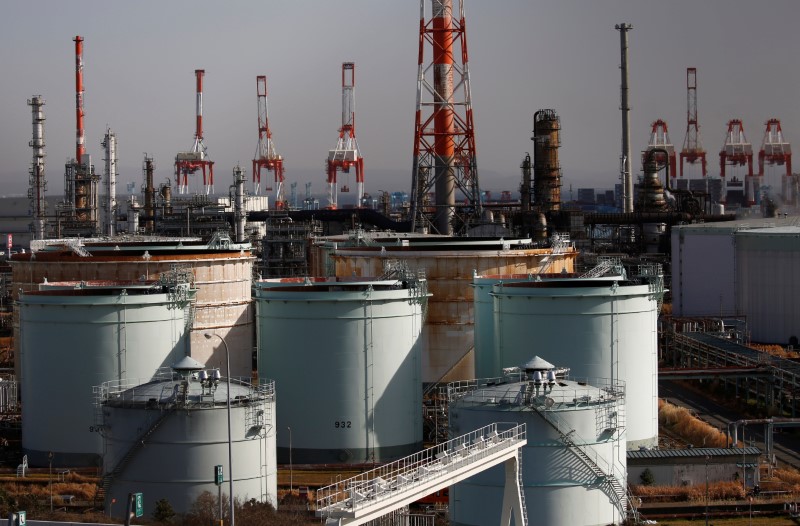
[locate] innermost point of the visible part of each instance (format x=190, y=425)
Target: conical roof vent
x=538, y=364
x=187, y=363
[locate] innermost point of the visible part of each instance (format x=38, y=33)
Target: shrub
x=647, y=477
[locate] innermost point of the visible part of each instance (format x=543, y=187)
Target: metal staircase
x=610, y=484
x=108, y=478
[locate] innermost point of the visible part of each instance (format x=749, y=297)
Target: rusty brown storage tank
x=221, y=272
x=449, y=264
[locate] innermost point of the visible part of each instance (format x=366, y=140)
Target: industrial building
x=744, y=268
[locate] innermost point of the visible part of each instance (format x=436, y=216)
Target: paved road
x=787, y=446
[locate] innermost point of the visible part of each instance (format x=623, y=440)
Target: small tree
x=163, y=511
x=647, y=477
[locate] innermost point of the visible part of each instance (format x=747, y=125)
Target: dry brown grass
x=717, y=491
x=680, y=421
x=775, y=350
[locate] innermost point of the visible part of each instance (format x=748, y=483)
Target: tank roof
x=189, y=391
x=521, y=392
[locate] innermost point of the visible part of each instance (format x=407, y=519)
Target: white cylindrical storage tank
x=767, y=260
x=487, y=359
x=560, y=485
x=346, y=358
x=602, y=328
x=449, y=265
x=165, y=437
x=73, y=339
x=221, y=272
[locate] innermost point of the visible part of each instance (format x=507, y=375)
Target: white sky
x=525, y=55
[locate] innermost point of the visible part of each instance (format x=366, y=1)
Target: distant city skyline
x=140, y=59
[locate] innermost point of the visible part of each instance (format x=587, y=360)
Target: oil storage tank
x=76, y=335
x=221, y=271
x=602, y=328
x=573, y=468
x=165, y=438
x=449, y=264
x=345, y=356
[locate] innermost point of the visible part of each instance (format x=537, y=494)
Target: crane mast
x=266, y=155
x=775, y=150
x=692, y=147
x=660, y=141
x=196, y=159
x=347, y=154
x=737, y=151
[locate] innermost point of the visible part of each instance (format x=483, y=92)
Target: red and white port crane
x=775, y=150
x=737, y=151
x=659, y=138
x=693, y=150
x=346, y=155
x=196, y=159
x=266, y=155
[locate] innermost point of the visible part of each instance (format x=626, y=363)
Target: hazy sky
x=140, y=58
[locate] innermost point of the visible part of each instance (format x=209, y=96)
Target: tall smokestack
x=80, y=136
x=625, y=164
x=37, y=182
x=444, y=145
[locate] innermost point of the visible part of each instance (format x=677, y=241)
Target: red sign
x=8, y=244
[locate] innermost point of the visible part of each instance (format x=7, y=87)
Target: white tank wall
x=448, y=330
x=223, y=303
x=347, y=365
x=70, y=343
x=601, y=331
x=558, y=486
x=766, y=271
x=487, y=358
x=177, y=462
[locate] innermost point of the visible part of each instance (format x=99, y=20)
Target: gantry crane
x=659, y=140
x=692, y=147
x=346, y=154
x=776, y=151
x=188, y=163
x=737, y=152
x=266, y=156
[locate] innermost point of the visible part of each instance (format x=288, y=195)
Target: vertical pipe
x=37, y=181
x=110, y=145
x=443, y=118
x=627, y=177
x=80, y=145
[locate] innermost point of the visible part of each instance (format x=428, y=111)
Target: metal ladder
x=521, y=487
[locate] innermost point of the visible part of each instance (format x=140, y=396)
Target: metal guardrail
x=441, y=462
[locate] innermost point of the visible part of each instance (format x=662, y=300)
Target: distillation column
x=546, y=167
x=37, y=182
x=110, y=146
